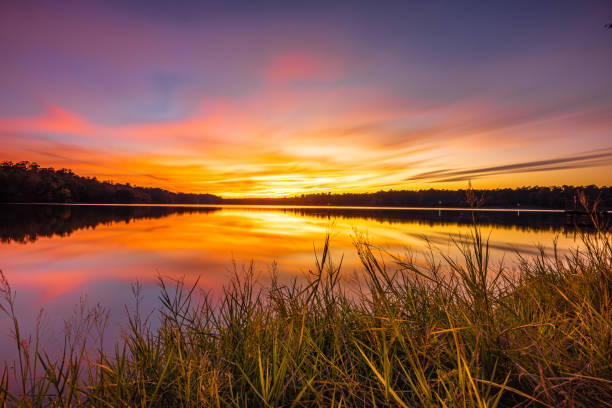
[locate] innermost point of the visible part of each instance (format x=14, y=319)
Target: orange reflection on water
x=54, y=271
x=205, y=244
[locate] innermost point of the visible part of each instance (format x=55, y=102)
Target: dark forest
x=26, y=182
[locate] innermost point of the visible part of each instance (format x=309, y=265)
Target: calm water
x=55, y=255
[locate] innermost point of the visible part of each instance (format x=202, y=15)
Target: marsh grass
x=448, y=333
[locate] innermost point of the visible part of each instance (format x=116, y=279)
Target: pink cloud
x=54, y=120
x=295, y=66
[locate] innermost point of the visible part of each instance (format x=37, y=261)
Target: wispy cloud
x=583, y=160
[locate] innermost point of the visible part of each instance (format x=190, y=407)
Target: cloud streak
x=584, y=160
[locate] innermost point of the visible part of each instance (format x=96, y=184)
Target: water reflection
x=26, y=223
x=53, y=255
x=56, y=249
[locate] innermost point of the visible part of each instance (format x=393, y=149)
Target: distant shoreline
x=339, y=207
x=26, y=182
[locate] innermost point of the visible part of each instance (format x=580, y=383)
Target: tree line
x=563, y=197
x=28, y=182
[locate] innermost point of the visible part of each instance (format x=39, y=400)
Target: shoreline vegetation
x=26, y=182
x=449, y=332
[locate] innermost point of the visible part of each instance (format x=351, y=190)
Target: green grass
x=453, y=333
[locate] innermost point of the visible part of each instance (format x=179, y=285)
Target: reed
x=448, y=333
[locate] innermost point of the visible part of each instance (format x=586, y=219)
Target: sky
x=284, y=98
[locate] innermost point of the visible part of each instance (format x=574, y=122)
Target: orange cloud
x=281, y=141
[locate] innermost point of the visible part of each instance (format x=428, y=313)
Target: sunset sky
x=282, y=98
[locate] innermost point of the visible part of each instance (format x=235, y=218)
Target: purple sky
x=279, y=98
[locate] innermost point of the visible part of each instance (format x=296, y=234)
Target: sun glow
x=293, y=109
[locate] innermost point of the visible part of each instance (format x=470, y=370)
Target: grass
x=449, y=333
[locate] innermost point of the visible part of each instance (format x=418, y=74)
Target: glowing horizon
x=281, y=99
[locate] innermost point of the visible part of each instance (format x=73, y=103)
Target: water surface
x=55, y=255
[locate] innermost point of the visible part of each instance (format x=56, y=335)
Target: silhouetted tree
x=28, y=182
x=557, y=197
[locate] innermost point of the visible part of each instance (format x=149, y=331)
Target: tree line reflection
x=27, y=223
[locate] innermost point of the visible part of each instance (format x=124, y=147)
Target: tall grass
x=448, y=333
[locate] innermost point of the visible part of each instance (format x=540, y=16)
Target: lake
x=56, y=256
